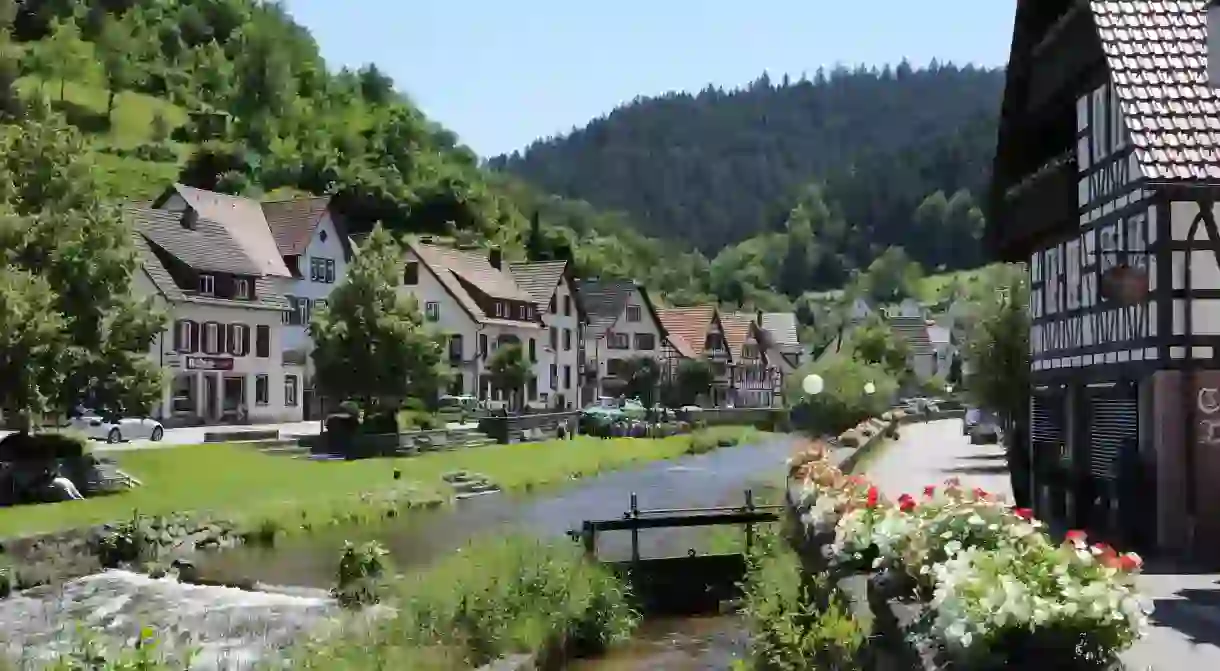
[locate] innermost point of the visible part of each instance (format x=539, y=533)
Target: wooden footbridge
x=690, y=584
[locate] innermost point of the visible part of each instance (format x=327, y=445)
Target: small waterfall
x=226, y=628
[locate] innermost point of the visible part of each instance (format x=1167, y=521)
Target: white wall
x=325, y=243
x=561, y=321
x=452, y=319
x=647, y=324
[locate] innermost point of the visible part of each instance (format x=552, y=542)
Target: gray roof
x=604, y=301
x=783, y=328
x=204, y=248
x=539, y=279
x=914, y=330
x=246, y=223
x=1157, y=56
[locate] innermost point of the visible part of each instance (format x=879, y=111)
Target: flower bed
x=995, y=590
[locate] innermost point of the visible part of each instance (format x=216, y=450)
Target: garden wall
x=524, y=428
x=766, y=419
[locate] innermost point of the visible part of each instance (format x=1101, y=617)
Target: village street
x=1185, y=632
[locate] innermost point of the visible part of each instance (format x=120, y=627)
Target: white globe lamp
x=870, y=388
x=813, y=384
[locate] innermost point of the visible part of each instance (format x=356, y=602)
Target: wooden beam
x=701, y=520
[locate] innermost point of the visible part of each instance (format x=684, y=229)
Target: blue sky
x=501, y=74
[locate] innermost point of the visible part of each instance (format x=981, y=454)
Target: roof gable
x=782, y=328
x=604, y=301
x=737, y=328
x=244, y=220
x=292, y=222
x=688, y=327
x=458, y=269
x=539, y=279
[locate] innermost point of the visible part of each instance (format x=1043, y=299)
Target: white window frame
x=432, y=311
x=633, y=313
x=265, y=380
x=241, y=288
x=211, y=338
x=207, y=284
x=291, y=388
x=238, y=346
x=185, y=332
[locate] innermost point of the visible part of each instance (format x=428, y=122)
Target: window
x=618, y=341
x=290, y=391
x=482, y=345
x=239, y=339
x=241, y=288
x=322, y=270
x=633, y=313
x=614, y=367
x=432, y=311
x=567, y=377
x=262, y=341
x=207, y=285
x=182, y=393
x=318, y=304
x=410, y=273
x=554, y=376
x=645, y=341
x=552, y=308
x=523, y=312
x=567, y=306
x=455, y=347
x=211, y=338
x=299, y=311
x=554, y=338
x=533, y=350
x=186, y=336
x=262, y=389
x=499, y=309
x=567, y=340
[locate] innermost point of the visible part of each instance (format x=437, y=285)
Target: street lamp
x=870, y=388
x=813, y=384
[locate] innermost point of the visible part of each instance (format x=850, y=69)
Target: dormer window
x=500, y=309
x=523, y=312
x=241, y=288
x=207, y=285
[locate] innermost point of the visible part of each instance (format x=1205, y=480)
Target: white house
x=470, y=295
x=553, y=288
x=312, y=239
x=222, y=347
x=623, y=324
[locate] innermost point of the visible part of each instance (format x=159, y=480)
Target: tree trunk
x=110, y=104
x=62, y=83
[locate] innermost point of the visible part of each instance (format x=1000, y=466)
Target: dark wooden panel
x=1069, y=59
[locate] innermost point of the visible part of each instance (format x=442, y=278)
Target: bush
x=360, y=579
x=843, y=403
x=48, y=446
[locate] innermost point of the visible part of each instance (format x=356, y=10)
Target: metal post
x=749, y=525
x=635, y=529
x=589, y=534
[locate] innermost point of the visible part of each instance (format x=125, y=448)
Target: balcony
x=1067, y=53
x=1043, y=202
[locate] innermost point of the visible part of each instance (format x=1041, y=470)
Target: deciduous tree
x=509, y=370
x=370, y=342
x=67, y=55
x=116, y=50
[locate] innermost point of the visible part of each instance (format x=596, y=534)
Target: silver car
x=113, y=430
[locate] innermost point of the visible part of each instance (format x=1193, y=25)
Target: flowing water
x=230, y=628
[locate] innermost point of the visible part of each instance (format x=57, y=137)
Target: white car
x=92, y=425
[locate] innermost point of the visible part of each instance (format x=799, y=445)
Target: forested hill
x=720, y=166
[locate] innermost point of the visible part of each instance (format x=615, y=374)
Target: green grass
x=132, y=121
x=242, y=484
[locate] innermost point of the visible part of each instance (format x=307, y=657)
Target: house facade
x=754, y=378
x=557, y=301
x=221, y=348
x=1105, y=182
x=470, y=296
x=313, y=242
x=698, y=333
x=623, y=324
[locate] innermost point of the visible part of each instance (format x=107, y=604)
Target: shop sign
x=209, y=363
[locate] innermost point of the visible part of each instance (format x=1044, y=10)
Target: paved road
x=1186, y=623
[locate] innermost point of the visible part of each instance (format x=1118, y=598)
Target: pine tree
x=535, y=244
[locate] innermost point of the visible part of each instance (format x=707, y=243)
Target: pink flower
x=929, y=491
x=1130, y=562
x=1076, y=537
x=1024, y=513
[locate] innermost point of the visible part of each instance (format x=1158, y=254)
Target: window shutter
x=245, y=340
x=178, y=344
x=193, y=329
x=230, y=331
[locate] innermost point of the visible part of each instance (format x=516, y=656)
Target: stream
x=230, y=628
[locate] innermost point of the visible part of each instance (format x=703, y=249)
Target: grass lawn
x=240, y=483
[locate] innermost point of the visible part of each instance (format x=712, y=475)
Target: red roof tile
x=688, y=328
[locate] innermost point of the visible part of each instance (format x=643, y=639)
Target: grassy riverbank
x=237, y=482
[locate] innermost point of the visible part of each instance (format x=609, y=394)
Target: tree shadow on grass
x=82, y=116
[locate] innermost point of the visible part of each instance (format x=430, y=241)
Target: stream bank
x=414, y=541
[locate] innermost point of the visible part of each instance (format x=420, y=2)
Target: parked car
x=116, y=429
x=981, y=426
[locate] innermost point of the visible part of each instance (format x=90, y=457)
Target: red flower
x=1103, y=549
x=980, y=493
x=929, y=491
x=1024, y=513
x=1076, y=536
x=906, y=503
x=873, y=496
x=1129, y=562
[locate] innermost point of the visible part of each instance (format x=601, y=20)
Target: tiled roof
x=458, y=269
x=244, y=219
x=292, y=222
x=688, y=327
x=539, y=279
x=736, y=327
x=151, y=225
x=209, y=246
x=782, y=326
x=914, y=330
x=604, y=301
x=1157, y=54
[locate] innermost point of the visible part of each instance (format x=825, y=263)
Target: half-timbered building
x=1105, y=181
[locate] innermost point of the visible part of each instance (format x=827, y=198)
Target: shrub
x=360, y=579
x=46, y=446
x=843, y=403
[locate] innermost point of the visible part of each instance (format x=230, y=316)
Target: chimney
x=1213, y=44
x=190, y=218
x=495, y=257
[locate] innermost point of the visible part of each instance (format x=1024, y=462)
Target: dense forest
x=902, y=156
x=789, y=187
